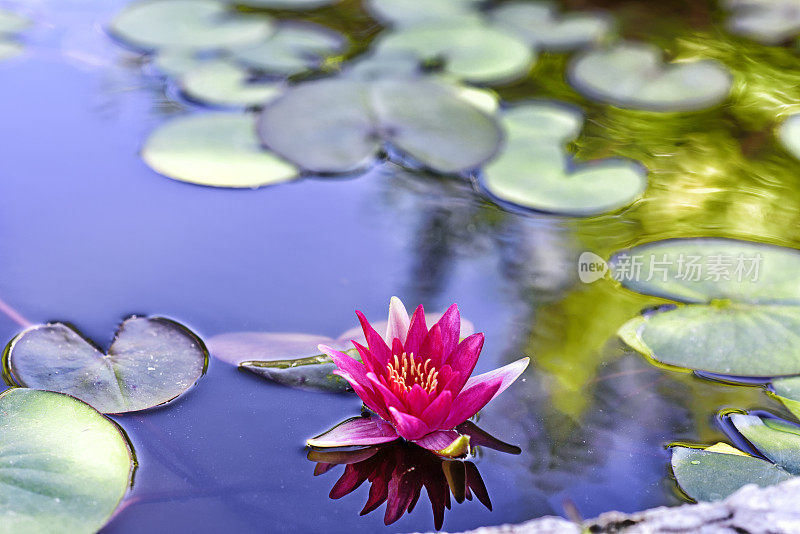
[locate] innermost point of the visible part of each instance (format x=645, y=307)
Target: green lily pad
x=312, y=373
x=706, y=269
x=223, y=83
x=292, y=48
x=9, y=49
x=151, y=361
x=176, y=63
x=286, y=4
x=534, y=171
x=789, y=135
x=12, y=23
x=63, y=466
x=787, y=390
x=540, y=24
x=339, y=125
x=633, y=75
x=216, y=149
x=471, y=52
x=410, y=12
x=711, y=476
x=723, y=338
x=769, y=22
x=187, y=25
x=777, y=440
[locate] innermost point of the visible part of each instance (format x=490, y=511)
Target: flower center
x=404, y=372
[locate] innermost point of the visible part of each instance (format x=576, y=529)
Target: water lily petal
x=352, y=478
x=450, y=323
x=475, y=483
x=437, y=411
x=408, y=426
x=471, y=400
x=398, y=321
x=417, y=399
x=322, y=468
x=378, y=493
x=508, y=373
x=432, y=346
x=356, y=431
x=335, y=456
x=445, y=443
x=481, y=438
x=377, y=345
x=416, y=331
x=389, y=398
x=401, y=493
x=465, y=357
x=372, y=400
x=347, y=364
x=370, y=363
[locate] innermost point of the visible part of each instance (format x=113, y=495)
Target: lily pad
x=410, y=12
x=286, y=4
x=706, y=269
x=223, y=83
x=63, y=466
x=339, y=125
x=292, y=48
x=705, y=475
x=633, y=75
x=151, y=361
x=540, y=24
x=789, y=135
x=12, y=23
x=723, y=338
x=770, y=22
x=472, y=52
x=777, y=440
x=177, y=62
x=313, y=373
x=187, y=25
x=535, y=172
x=787, y=390
x=216, y=149
x=9, y=49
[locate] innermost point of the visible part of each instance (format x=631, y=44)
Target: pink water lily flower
x=417, y=381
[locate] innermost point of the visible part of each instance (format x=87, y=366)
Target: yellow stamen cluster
x=404, y=372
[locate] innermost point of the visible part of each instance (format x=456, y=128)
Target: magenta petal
x=465, y=357
x=369, y=361
x=398, y=321
x=351, y=479
x=389, y=398
x=347, y=364
x=438, y=439
x=450, y=323
x=371, y=399
x=417, y=399
x=508, y=374
x=408, y=426
x=437, y=411
x=377, y=345
x=416, y=331
x=470, y=401
x=370, y=430
x=432, y=347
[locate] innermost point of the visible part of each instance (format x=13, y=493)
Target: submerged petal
x=398, y=321
x=356, y=431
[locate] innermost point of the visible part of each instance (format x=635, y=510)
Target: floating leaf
x=632, y=75
x=777, y=440
x=177, y=62
x=286, y=4
x=187, y=25
x=217, y=149
x=472, y=52
x=314, y=373
x=223, y=83
x=339, y=125
x=540, y=24
x=711, y=476
x=151, y=361
x=292, y=48
x=9, y=49
x=706, y=269
x=12, y=23
x=63, y=466
x=767, y=21
x=410, y=12
x=787, y=390
x=723, y=338
x=534, y=171
x=789, y=135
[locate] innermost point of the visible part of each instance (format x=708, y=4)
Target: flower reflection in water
x=397, y=472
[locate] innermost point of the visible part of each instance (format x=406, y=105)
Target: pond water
x=91, y=235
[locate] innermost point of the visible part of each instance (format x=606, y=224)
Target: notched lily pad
x=706, y=475
x=63, y=466
x=224, y=83
x=473, y=52
x=340, y=125
x=633, y=75
x=215, y=149
x=540, y=24
x=151, y=361
x=187, y=25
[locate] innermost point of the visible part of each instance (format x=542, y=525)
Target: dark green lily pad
x=292, y=48
x=472, y=52
x=151, y=361
x=63, y=466
x=339, y=125
x=711, y=476
x=187, y=25
x=540, y=24
x=633, y=75
x=770, y=22
x=534, y=171
x=722, y=338
x=706, y=269
x=777, y=440
x=312, y=373
x=216, y=149
x=410, y=12
x=224, y=83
